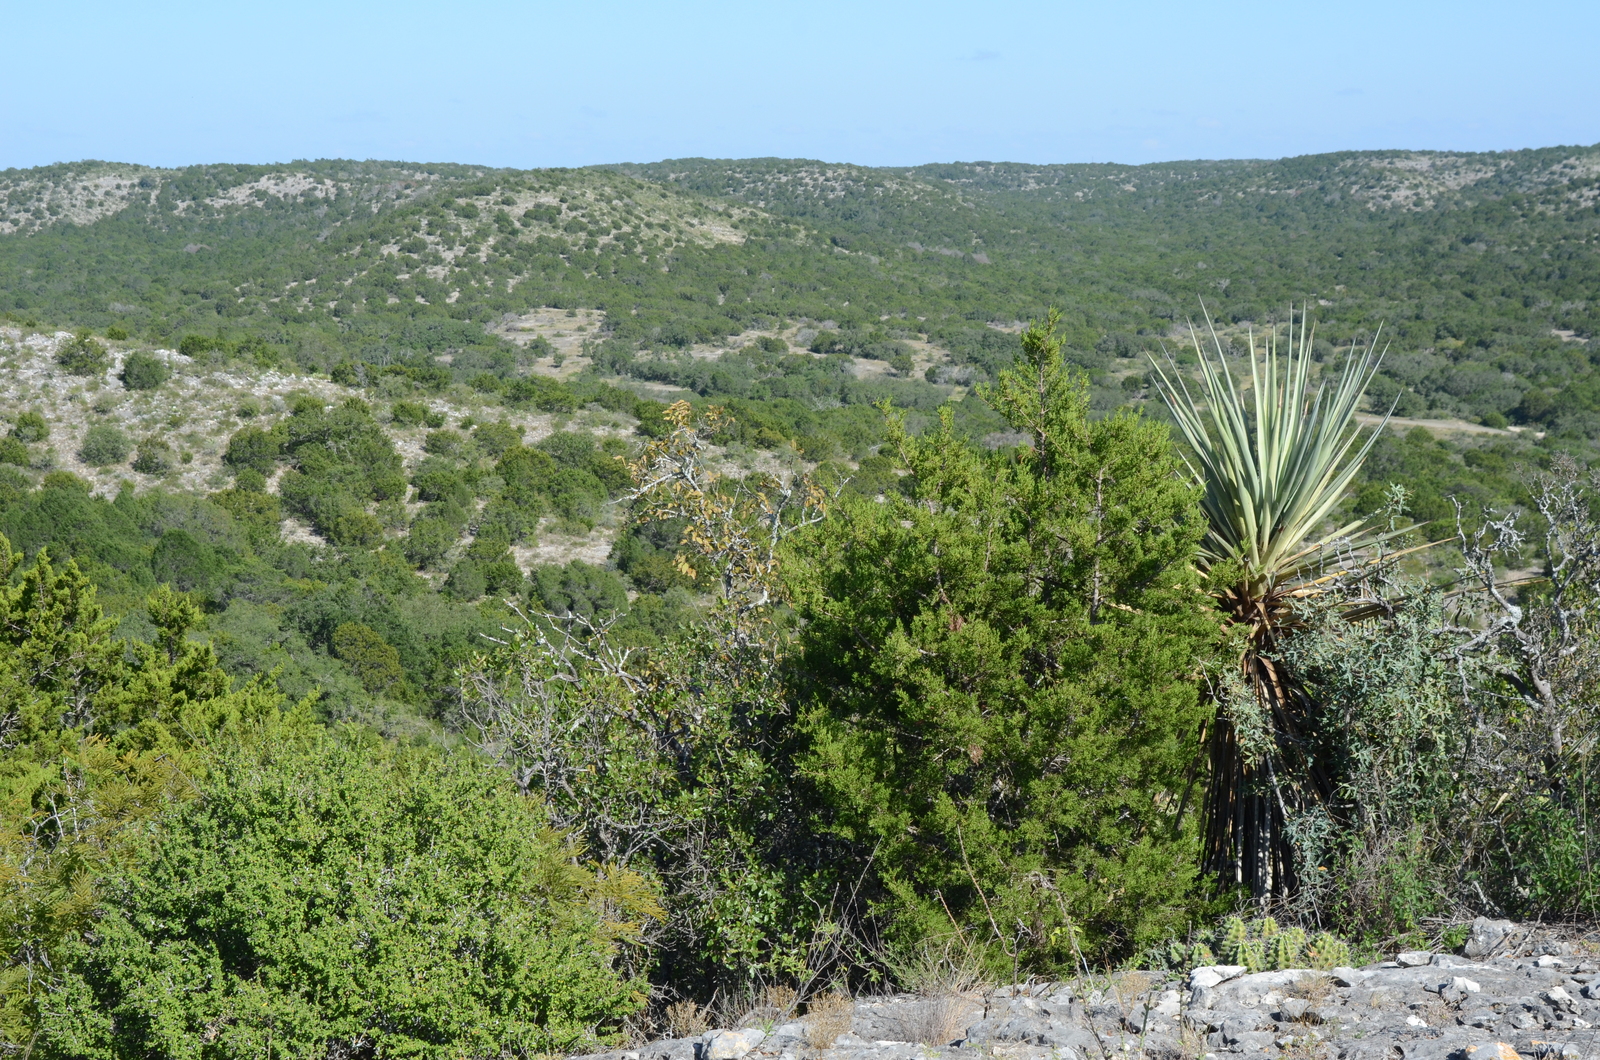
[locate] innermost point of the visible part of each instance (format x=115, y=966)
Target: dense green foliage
x=143, y=371
x=994, y=668
x=161, y=827
x=82, y=355
x=270, y=606
x=97, y=732
x=395, y=902
x=105, y=443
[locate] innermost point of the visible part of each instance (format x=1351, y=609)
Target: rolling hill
x=346, y=353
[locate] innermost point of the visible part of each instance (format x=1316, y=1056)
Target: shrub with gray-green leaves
x=155, y=457
x=104, y=444
x=30, y=427
x=83, y=355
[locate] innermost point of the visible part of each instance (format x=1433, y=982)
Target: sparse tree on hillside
x=83, y=355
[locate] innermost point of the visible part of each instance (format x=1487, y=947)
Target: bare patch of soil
x=566, y=333
x=557, y=548
x=1405, y=423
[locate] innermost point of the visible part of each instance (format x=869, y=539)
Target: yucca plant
x=1274, y=462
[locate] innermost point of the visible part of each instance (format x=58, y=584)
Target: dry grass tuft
x=685, y=1019
x=1128, y=989
x=1191, y=1039
x=934, y=969
x=828, y=1017
x=774, y=1004
x=1313, y=988
x=939, y=1020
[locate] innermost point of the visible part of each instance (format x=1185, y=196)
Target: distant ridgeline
x=1485, y=267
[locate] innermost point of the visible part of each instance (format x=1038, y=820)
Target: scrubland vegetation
x=387, y=673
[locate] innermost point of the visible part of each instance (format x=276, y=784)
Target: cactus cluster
x=1263, y=945
x=1326, y=952
x=1189, y=954
x=1259, y=945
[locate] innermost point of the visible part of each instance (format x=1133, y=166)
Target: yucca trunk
x=1246, y=843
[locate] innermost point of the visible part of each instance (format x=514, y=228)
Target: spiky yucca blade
x=1273, y=475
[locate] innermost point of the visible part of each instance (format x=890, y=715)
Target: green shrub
x=154, y=457
x=495, y=438
x=153, y=702
x=186, y=564
x=999, y=742
x=437, y=480
x=83, y=355
x=526, y=473
x=104, y=444
x=259, y=352
x=652, y=422
x=466, y=581
x=30, y=427
x=429, y=539
x=337, y=891
x=117, y=334
x=544, y=394
x=372, y=659
x=502, y=577
x=254, y=448
x=576, y=496
x=144, y=371
x=408, y=413
x=578, y=588
x=581, y=451
x=349, y=373
x=342, y=463
x=254, y=511
x=1550, y=854
x=12, y=451
x=647, y=554
x=198, y=346
x=442, y=443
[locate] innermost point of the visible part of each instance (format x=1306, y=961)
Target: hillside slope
x=1483, y=266
x=381, y=398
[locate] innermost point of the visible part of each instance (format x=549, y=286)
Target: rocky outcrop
x=1419, y=1006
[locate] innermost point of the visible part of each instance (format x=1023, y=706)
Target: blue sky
x=541, y=84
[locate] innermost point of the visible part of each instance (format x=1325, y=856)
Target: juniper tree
x=996, y=675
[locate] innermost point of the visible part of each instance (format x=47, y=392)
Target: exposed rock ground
x=1419, y=1006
